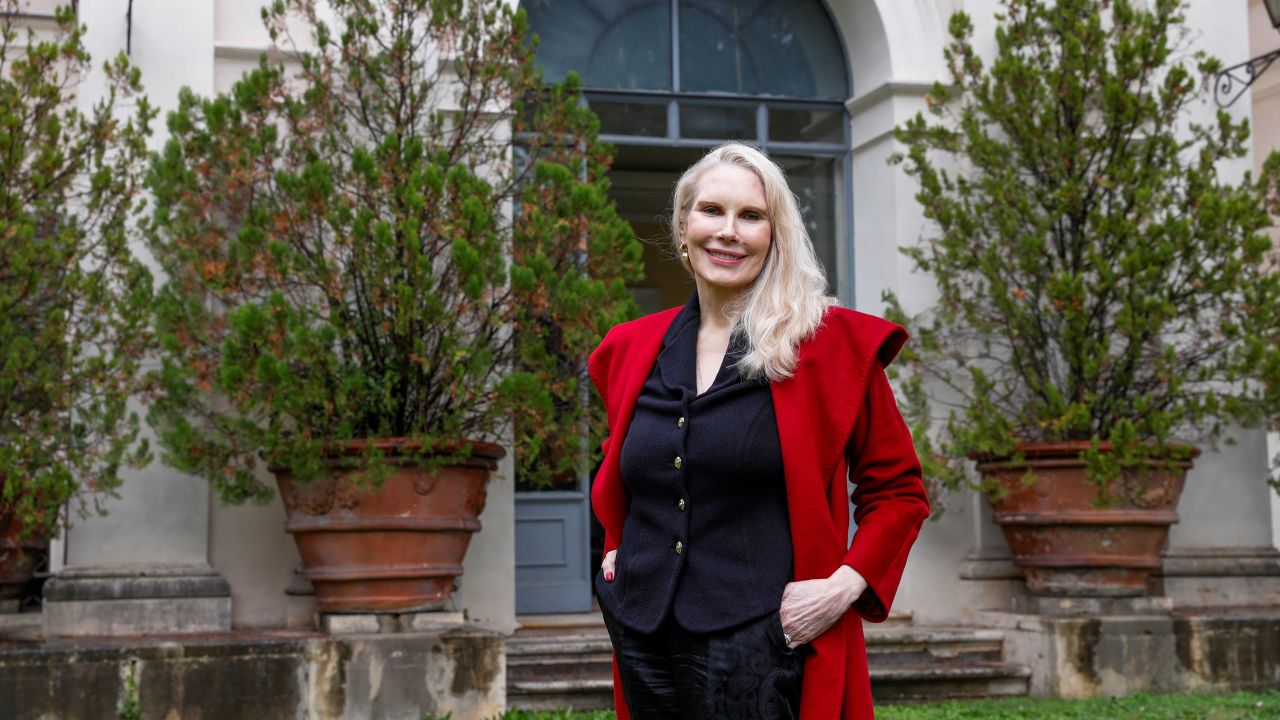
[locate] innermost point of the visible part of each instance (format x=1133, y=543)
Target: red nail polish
x=608, y=577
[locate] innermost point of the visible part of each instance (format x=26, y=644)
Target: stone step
x=948, y=680
x=594, y=666
x=901, y=684
x=570, y=645
x=558, y=663
x=586, y=694
x=888, y=644
x=896, y=645
x=556, y=624
x=898, y=618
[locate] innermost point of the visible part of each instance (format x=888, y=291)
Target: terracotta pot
x=398, y=549
x=1068, y=546
x=18, y=556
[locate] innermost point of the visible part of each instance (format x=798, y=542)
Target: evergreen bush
x=74, y=301
x=396, y=233
x=1100, y=280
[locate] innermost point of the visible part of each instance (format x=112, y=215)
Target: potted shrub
x=1106, y=298
x=377, y=258
x=74, y=302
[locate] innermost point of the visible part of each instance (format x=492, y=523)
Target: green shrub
x=402, y=236
x=74, y=301
x=1100, y=280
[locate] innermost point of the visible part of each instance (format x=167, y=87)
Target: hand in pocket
x=607, y=566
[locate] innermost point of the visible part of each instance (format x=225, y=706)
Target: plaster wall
x=248, y=544
x=895, y=52
x=1225, y=502
x=1263, y=38
x=161, y=516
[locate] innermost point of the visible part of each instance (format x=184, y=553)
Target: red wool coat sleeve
x=888, y=496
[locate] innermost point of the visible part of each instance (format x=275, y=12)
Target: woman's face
x=727, y=230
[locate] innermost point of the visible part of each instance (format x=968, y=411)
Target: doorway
x=669, y=79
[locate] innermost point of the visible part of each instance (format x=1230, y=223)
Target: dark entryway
x=669, y=80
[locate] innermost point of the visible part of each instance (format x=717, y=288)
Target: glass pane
x=813, y=180
x=786, y=125
x=766, y=47
x=612, y=44
x=41, y=7
x=629, y=118
x=717, y=123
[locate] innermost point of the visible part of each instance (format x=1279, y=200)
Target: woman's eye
x=751, y=216
x=711, y=210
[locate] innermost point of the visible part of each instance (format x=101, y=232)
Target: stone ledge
x=989, y=567
x=1076, y=606
x=1211, y=577
x=137, y=616
x=133, y=582
x=458, y=670
x=136, y=600
x=1224, y=650
x=385, y=623
x=1220, y=562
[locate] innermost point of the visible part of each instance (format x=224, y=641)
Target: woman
x=734, y=422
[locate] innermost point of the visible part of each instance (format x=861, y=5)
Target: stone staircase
x=560, y=661
x=563, y=661
x=917, y=663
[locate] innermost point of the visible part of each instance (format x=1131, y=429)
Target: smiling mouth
x=724, y=256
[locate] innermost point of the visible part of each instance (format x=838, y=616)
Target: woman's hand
x=809, y=607
x=607, y=565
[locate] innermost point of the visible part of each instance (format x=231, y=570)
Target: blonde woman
x=728, y=585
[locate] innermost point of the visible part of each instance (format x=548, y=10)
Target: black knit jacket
x=706, y=536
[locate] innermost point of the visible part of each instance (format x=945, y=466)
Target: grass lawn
x=1239, y=706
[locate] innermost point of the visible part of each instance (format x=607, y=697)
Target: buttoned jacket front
x=824, y=429
x=706, y=541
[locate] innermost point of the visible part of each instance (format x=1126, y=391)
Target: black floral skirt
x=744, y=672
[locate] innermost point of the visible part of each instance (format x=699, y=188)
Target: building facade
x=820, y=85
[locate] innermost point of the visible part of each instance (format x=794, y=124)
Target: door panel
x=552, y=573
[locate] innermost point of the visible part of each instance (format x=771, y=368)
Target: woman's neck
x=718, y=307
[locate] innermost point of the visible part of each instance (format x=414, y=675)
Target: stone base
x=1216, y=577
x=1114, y=655
x=299, y=603
x=136, y=600
x=1091, y=606
x=387, y=623
x=459, y=672
x=989, y=566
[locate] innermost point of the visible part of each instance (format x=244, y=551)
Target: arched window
x=669, y=78
x=780, y=48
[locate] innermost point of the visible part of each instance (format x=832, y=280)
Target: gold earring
x=684, y=251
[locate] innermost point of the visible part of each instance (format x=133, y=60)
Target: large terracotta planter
x=396, y=550
x=18, y=556
x=1065, y=543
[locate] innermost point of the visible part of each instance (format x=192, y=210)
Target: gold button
x=680, y=504
x=679, y=462
x=679, y=548
x=680, y=422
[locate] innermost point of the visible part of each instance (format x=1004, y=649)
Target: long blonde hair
x=786, y=302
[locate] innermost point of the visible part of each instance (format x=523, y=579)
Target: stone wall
x=1110, y=655
x=460, y=672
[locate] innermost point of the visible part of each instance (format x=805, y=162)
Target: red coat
x=838, y=400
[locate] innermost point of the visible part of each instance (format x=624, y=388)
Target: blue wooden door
x=552, y=551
